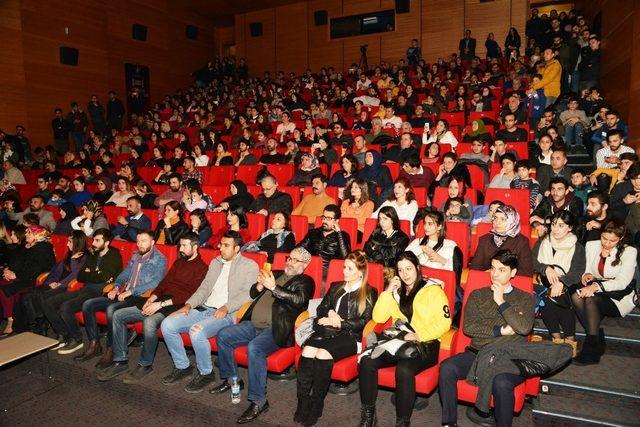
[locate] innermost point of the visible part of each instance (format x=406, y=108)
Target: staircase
x=607, y=394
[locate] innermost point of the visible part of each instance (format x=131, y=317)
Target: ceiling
x=222, y=11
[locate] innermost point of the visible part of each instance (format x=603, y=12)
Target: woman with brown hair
x=357, y=203
x=341, y=317
x=172, y=227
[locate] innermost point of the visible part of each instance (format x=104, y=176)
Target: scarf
x=480, y=130
x=39, y=233
x=280, y=237
x=93, y=206
x=513, y=225
x=371, y=173
x=558, y=253
x=135, y=270
x=314, y=161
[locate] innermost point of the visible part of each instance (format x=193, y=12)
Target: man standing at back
x=467, y=46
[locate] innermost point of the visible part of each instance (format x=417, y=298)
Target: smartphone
x=266, y=267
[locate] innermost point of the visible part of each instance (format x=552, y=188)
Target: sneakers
x=71, y=347
x=177, y=375
x=484, y=420
x=199, y=382
x=61, y=343
x=113, y=370
x=136, y=374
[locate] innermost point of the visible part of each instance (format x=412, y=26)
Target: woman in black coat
x=337, y=333
x=172, y=227
x=240, y=196
x=387, y=241
x=68, y=212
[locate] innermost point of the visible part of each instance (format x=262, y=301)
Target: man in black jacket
x=96, y=113
x=271, y=200
x=560, y=198
x=467, y=46
x=557, y=168
x=328, y=241
x=268, y=325
x=115, y=112
x=60, y=129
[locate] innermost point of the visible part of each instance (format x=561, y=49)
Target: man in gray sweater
x=212, y=307
x=500, y=313
x=36, y=206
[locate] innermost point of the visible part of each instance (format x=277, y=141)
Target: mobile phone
x=266, y=267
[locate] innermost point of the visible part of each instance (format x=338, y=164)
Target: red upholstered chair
x=421, y=196
x=221, y=175
x=370, y=224
x=520, y=148
x=474, y=115
x=394, y=170
x=217, y=192
x=516, y=197
x=459, y=232
x=170, y=252
x=152, y=214
x=248, y=173
x=348, y=225
x=257, y=225
x=55, y=211
x=454, y=119
x=59, y=243
x=314, y=269
x=282, y=172
x=478, y=177
x=299, y=226
x=468, y=392
x=113, y=212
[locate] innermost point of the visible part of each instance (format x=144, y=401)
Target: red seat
x=113, y=212
x=248, y=173
x=516, y=197
x=314, y=269
x=55, y=211
x=348, y=225
x=282, y=172
x=421, y=196
x=59, y=243
x=299, y=225
x=468, y=392
x=394, y=170
x=217, y=192
x=294, y=192
x=220, y=175
x=459, y=232
x=454, y=119
x=257, y=225
x=126, y=249
x=370, y=224
x=170, y=252
x=478, y=177
x=152, y=214
x=474, y=115
x=208, y=254
x=520, y=148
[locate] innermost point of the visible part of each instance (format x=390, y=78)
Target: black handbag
x=531, y=368
x=564, y=299
x=616, y=295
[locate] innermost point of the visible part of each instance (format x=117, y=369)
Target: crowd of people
x=402, y=150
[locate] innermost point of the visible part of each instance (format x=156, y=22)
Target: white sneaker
x=70, y=347
x=61, y=343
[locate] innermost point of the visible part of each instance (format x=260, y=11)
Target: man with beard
x=143, y=273
x=312, y=205
x=36, y=206
x=51, y=173
x=597, y=214
x=560, y=198
x=245, y=157
x=272, y=156
x=182, y=280
x=212, y=307
x=328, y=241
x=268, y=325
x=129, y=227
x=175, y=192
x=102, y=266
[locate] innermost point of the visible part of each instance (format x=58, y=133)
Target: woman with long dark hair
x=387, y=241
x=340, y=320
x=559, y=259
x=606, y=288
x=172, y=227
x=200, y=226
x=236, y=221
x=422, y=304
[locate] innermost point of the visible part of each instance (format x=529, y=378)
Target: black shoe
x=368, y=416
x=199, y=382
x=177, y=375
x=113, y=371
x=403, y=422
x=602, y=342
x=481, y=420
x=224, y=387
x=252, y=412
x=590, y=354
x=135, y=375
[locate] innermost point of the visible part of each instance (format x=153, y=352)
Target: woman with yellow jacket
x=551, y=73
x=422, y=303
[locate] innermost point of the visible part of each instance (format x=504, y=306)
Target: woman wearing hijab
x=505, y=234
x=104, y=192
x=68, y=212
x=29, y=261
x=478, y=132
x=91, y=219
x=308, y=169
x=240, y=196
x=377, y=173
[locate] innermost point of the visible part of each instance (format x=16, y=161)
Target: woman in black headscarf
x=240, y=196
x=68, y=212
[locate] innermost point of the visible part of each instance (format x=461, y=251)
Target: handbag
x=391, y=347
x=616, y=295
x=563, y=300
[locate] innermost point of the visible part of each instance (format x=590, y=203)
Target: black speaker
x=192, y=32
x=69, y=56
x=402, y=6
x=321, y=17
x=139, y=32
x=256, y=29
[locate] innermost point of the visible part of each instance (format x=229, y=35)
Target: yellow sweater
x=431, y=314
x=312, y=206
x=551, y=76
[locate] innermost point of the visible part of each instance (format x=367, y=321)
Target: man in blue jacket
x=143, y=273
x=128, y=227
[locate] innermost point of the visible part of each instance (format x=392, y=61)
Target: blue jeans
x=201, y=326
x=261, y=345
x=150, y=325
x=92, y=306
x=573, y=134
x=78, y=140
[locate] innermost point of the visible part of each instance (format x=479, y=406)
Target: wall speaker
x=192, y=32
x=402, y=6
x=139, y=32
x=69, y=56
x=321, y=17
x=256, y=29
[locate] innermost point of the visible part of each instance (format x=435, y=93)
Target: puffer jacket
x=335, y=245
x=355, y=322
x=385, y=250
x=171, y=235
x=290, y=300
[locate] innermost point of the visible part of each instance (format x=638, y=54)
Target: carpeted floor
x=73, y=397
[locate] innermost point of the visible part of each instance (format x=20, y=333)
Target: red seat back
x=257, y=225
x=113, y=212
x=314, y=269
x=516, y=197
x=478, y=177
x=59, y=243
x=282, y=172
x=447, y=277
x=248, y=173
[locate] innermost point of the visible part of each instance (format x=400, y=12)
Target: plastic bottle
x=235, y=390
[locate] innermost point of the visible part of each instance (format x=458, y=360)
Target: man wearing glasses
x=328, y=241
x=268, y=325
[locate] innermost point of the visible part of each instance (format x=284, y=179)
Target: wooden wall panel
x=239, y=32
x=292, y=38
x=408, y=26
x=442, y=27
x=261, y=51
x=323, y=51
x=484, y=18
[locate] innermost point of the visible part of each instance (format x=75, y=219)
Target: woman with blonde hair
x=341, y=317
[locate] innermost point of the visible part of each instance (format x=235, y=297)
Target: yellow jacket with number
x=431, y=314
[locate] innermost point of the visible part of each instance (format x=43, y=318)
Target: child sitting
x=523, y=180
x=581, y=185
x=57, y=198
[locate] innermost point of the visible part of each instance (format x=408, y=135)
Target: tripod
x=363, y=63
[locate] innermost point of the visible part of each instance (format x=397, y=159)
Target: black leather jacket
x=290, y=300
x=335, y=245
x=354, y=323
x=385, y=250
x=171, y=235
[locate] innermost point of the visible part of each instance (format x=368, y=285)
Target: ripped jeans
x=201, y=325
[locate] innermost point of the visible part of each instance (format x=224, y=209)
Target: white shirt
x=407, y=211
x=368, y=101
x=394, y=121
x=605, y=152
x=363, y=85
x=220, y=291
x=447, y=138
x=203, y=160
x=445, y=251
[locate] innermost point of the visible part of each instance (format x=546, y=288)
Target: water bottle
x=235, y=390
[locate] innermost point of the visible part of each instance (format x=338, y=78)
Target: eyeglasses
x=327, y=217
x=294, y=260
